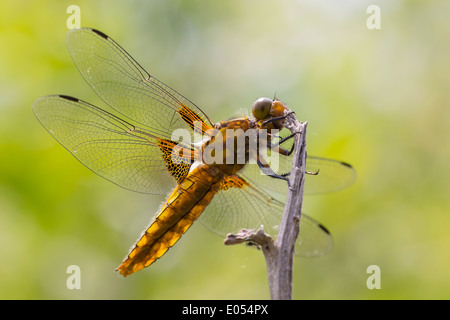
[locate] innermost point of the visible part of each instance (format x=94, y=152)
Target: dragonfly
x=132, y=144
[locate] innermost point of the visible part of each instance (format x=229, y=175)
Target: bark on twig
x=279, y=255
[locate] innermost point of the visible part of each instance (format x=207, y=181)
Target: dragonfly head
x=265, y=109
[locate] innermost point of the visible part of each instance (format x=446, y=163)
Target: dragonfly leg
x=287, y=174
x=281, y=150
x=267, y=170
x=277, y=118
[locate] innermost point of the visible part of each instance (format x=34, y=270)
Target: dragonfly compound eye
x=261, y=108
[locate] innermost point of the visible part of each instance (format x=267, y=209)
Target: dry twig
x=279, y=255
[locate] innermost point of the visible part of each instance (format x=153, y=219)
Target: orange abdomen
x=184, y=205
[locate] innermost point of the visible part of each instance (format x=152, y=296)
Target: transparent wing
x=249, y=207
x=113, y=148
x=125, y=86
x=332, y=175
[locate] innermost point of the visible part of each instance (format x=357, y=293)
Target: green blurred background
x=378, y=99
